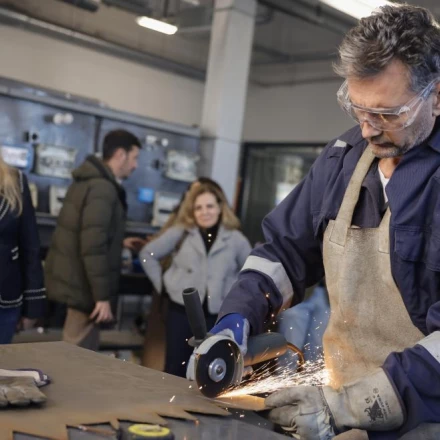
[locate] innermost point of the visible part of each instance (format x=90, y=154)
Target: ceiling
x=292, y=44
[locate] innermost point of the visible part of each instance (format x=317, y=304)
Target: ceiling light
x=156, y=25
x=356, y=8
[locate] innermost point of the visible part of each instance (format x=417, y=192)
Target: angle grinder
x=217, y=361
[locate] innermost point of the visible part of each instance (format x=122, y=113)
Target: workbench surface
x=92, y=388
x=209, y=428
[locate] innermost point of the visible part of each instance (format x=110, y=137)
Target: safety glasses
x=385, y=119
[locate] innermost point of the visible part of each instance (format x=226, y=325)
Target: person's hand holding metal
x=320, y=413
x=302, y=410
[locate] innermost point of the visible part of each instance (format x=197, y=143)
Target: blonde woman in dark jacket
x=22, y=292
x=208, y=252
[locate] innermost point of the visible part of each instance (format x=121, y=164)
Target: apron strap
x=344, y=218
x=384, y=232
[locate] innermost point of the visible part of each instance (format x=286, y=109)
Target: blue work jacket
x=294, y=237
x=21, y=273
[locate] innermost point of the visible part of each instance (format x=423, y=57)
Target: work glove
x=235, y=327
x=20, y=387
x=320, y=413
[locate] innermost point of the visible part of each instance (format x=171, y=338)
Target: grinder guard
x=217, y=363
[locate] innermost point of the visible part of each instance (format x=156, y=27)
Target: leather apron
x=368, y=318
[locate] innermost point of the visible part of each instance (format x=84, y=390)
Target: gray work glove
x=20, y=387
x=320, y=413
x=19, y=391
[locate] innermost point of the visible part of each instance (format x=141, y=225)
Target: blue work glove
x=236, y=327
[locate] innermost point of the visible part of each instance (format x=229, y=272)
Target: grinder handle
x=263, y=347
x=194, y=312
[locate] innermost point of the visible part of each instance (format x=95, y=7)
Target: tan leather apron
x=368, y=317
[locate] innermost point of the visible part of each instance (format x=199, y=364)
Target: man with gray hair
x=367, y=216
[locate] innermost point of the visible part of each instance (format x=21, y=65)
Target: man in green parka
x=82, y=267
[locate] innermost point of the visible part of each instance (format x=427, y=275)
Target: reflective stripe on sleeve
x=276, y=272
x=432, y=344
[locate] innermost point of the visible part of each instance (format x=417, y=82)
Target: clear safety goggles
x=385, y=119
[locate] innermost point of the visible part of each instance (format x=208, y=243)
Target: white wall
x=280, y=114
x=121, y=84
x=303, y=113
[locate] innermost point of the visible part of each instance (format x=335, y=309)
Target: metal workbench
x=90, y=388
x=209, y=428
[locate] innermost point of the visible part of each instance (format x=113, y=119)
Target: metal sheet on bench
x=93, y=388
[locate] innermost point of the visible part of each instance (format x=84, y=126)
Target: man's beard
x=387, y=150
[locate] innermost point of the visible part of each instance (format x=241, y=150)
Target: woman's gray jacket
x=212, y=274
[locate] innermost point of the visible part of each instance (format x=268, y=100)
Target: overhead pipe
x=88, y=5
x=307, y=57
x=297, y=82
x=26, y=22
x=138, y=7
x=312, y=14
x=203, y=30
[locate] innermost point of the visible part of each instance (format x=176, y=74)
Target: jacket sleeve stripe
x=275, y=271
x=432, y=344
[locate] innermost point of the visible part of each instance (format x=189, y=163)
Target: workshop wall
x=120, y=84
x=302, y=113
x=307, y=113
x=33, y=137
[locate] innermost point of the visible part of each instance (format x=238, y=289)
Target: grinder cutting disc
x=215, y=369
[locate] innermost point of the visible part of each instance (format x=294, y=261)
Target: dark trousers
x=8, y=323
x=179, y=332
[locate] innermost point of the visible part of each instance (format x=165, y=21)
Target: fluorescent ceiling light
x=356, y=8
x=156, y=25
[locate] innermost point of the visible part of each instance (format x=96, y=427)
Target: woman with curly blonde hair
x=208, y=251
